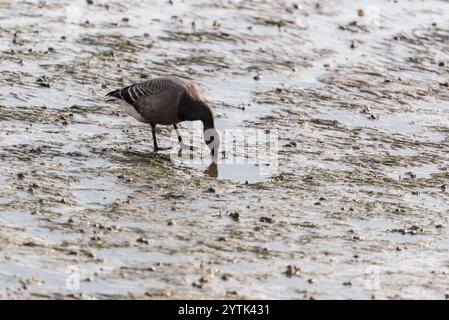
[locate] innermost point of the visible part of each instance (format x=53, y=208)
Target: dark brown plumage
x=167, y=101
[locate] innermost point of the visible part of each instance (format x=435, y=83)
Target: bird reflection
x=212, y=170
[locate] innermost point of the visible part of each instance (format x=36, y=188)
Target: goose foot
x=161, y=149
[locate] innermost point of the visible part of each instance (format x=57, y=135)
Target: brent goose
x=168, y=101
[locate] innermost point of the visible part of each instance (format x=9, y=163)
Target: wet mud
x=357, y=206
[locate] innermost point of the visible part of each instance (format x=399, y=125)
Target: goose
x=168, y=100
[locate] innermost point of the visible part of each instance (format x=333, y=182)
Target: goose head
x=193, y=108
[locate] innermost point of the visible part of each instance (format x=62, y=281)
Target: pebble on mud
x=235, y=216
x=143, y=240
x=292, y=270
x=266, y=219
x=410, y=174
x=291, y=144
x=225, y=277
x=166, y=293
x=200, y=283
x=413, y=230
x=43, y=81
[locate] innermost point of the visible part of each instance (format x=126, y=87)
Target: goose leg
x=177, y=132
x=153, y=132
x=181, y=143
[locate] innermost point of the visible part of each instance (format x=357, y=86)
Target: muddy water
x=357, y=206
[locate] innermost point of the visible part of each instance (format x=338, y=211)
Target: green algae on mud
x=360, y=194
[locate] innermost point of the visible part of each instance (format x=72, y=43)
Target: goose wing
x=133, y=93
x=154, y=100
